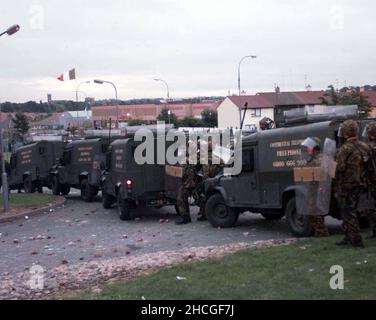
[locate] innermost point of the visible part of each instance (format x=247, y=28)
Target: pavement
x=80, y=232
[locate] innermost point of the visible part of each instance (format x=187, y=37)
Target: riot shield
x=313, y=180
x=327, y=173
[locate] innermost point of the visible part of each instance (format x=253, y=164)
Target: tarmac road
x=82, y=231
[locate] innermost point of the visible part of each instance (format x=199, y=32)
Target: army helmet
x=348, y=129
x=370, y=131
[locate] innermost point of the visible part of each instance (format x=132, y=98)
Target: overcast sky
x=195, y=45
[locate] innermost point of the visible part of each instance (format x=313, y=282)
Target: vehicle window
x=41, y=150
x=248, y=160
x=67, y=157
x=108, y=160
x=104, y=147
x=13, y=161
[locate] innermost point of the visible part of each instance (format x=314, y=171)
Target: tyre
x=220, y=215
x=123, y=209
x=65, y=190
x=107, y=200
x=273, y=215
x=298, y=224
x=87, y=192
x=28, y=185
x=55, y=186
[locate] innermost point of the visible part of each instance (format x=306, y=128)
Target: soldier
x=317, y=221
x=350, y=181
x=209, y=170
x=370, y=133
x=188, y=183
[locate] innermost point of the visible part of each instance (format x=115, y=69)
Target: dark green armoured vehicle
x=80, y=167
x=30, y=164
x=271, y=160
x=131, y=184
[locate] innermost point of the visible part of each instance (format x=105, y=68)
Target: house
x=371, y=96
x=264, y=105
x=76, y=118
x=149, y=112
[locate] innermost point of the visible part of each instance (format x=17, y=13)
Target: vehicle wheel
x=364, y=222
x=273, y=215
x=86, y=191
x=298, y=224
x=65, y=190
x=55, y=186
x=28, y=185
x=220, y=215
x=177, y=209
x=107, y=200
x=124, y=209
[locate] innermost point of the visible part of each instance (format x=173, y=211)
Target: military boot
x=372, y=236
x=344, y=242
x=358, y=244
x=183, y=220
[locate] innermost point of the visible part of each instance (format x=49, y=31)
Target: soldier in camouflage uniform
x=209, y=170
x=371, y=134
x=350, y=181
x=317, y=221
x=189, y=181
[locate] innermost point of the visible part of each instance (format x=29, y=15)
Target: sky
x=194, y=45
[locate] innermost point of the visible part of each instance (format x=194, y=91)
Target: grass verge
x=28, y=200
x=297, y=271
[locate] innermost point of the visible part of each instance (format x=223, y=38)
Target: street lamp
x=168, y=90
x=116, y=96
x=239, y=87
x=78, y=111
x=11, y=30
x=168, y=98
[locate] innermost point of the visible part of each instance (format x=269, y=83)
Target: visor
x=365, y=132
x=310, y=143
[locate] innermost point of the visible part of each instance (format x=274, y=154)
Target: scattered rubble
x=93, y=274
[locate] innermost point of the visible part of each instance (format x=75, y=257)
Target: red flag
x=61, y=77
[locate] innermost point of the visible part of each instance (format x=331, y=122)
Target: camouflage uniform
x=188, y=183
x=371, y=132
x=350, y=183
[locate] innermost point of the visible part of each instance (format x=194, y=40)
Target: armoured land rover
x=131, y=184
x=29, y=165
x=80, y=167
x=272, y=162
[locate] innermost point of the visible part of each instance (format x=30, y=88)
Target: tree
x=21, y=126
x=136, y=122
x=191, y=122
x=164, y=116
x=209, y=118
x=354, y=97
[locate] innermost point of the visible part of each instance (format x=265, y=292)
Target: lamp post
x=11, y=30
x=168, y=98
x=78, y=111
x=116, y=97
x=239, y=87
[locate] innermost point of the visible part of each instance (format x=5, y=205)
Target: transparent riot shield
x=326, y=175
x=313, y=180
x=306, y=189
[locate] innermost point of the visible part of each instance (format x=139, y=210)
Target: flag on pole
x=70, y=75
